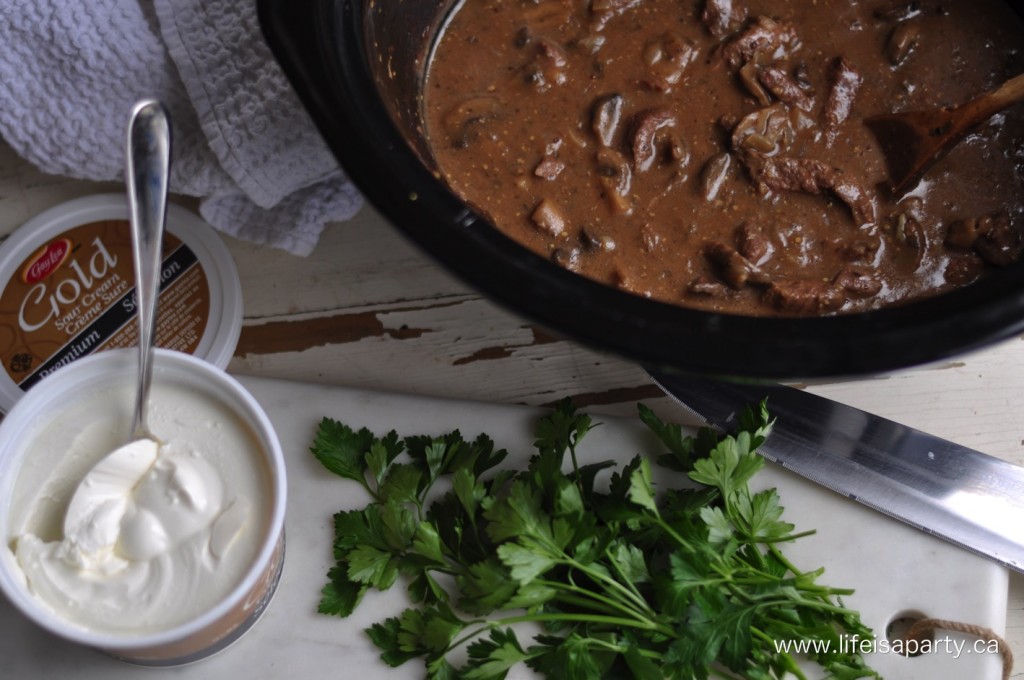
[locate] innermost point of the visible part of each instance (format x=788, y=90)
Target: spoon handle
x=979, y=110
x=148, y=153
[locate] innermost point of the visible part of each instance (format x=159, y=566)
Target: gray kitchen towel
x=70, y=72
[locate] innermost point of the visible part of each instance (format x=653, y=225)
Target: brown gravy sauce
x=714, y=155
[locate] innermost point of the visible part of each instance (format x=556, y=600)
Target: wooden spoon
x=913, y=141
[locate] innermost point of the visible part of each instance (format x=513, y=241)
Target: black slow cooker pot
x=357, y=66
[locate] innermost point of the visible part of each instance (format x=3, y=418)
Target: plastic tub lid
x=67, y=290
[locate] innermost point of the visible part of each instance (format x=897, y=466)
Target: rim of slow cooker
x=325, y=56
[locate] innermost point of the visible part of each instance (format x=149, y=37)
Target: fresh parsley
x=623, y=580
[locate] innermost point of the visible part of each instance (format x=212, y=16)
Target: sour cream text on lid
x=149, y=536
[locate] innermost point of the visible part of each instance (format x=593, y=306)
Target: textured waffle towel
x=70, y=72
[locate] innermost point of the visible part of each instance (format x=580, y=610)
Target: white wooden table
x=366, y=309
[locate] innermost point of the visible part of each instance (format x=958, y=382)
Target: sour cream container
x=67, y=290
x=64, y=391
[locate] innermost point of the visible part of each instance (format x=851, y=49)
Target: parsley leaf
x=624, y=578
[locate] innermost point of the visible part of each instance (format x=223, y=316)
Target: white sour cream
x=141, y=537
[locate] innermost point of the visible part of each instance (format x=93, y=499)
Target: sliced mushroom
x=606, y=117
x=734, y=269
x=617, y=179
x=567, y=257
x=702, y=285
x=762, y=134
x=548, y=217
x=714, y=174
x=909, y=232
x=903, y=40
x=593, y=242
x=549, y=168
x=459, y=123
x=667, y=59
x=750, y=76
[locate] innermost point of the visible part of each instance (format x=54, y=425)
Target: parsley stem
x=669, y=530
x=810, y=604
x=782, y=539
x=586, y=618
x=630, y=593
x=587, y=598
x=558, y=618
x=783, y=559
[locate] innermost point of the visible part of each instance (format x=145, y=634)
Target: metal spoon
x=93, y=516
x=913, y=141
x=148, y=157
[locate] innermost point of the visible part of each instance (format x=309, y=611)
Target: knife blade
x=955, y=493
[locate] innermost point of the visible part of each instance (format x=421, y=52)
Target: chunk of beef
x=604, y=11
x=962, y=269
x=753, y=244
x=765, y=35
x=814, y=177
x=722, y=17
x=1001, y=245
x=643, y=135
x=804, y=296
x=785, y=87
x=844, y=83
x=857, y=283
x=994, y=237
x=962, y=234
x=863, y=249
x=548, y=67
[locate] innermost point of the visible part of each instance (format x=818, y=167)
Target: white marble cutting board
x=894, y=568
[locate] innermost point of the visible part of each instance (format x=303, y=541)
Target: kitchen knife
x=966, y=497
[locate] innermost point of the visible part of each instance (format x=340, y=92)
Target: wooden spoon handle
x=987, y=105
